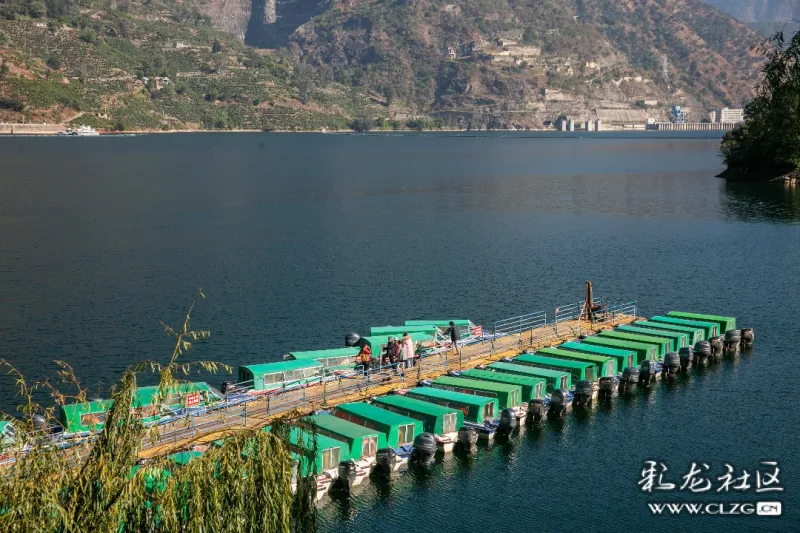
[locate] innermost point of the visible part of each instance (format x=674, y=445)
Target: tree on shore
x=767, y=144
x=244, y=484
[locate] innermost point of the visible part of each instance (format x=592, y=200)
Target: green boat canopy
x=578, y=369
x=183, y=458
x=625, y=358
x=399, y=430
x=394, y=331
x=508, y=395
x=644, y=351
x=477, y=409
x=662, y=344
x=695, y=334
x=532, y=387
x=555, y=378
x=173, y=397
x=725, y=322
x=362, y=442
x=678, y=339
x=710, y=329
x=435, y=418
x=460, y=322
x=87, y=416
x=317, y=355
x=269, y=376
x=604, y=366
x=330, y=452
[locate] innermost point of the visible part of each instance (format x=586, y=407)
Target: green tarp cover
x=474, y=405
x=507, y=395
x=394, y=331
x=532, y=387
x=578, y=369
x=183, y=458
x=439, y=323
x=381, y=417
x=662, y=344
x=725, y=322
x=323, y=354
x=430, y=414
x=324, y=444
x=645, y=351
x=555, y=378
x=625, y=358
x=347, y=432
x=373, y=416
x=695, y=334
x=604, y=365
x=679, y=340
x=710, y=329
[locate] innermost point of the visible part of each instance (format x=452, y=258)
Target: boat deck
x=259, y=412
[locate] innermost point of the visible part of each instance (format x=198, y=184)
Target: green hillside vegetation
x=61, y=59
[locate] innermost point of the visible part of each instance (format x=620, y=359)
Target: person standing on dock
x=406, y=350
x=365, y=357
x=391, y=353
x=453, y=331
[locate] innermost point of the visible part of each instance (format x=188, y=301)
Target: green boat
x=435, y=418
x=333, y=359
x=362, y=443
x=579, y=370
x=463, y=325
x=710, y=329
x=398, y=430
x=478, y=409
x=695, y=334
x=8, y=435
x=725, y=322
x=184, y=458
x=662, y=344
x=644, y=351
x=679, y=340
x=625, y=358
x=555, y=378
x=283, y=374
x=604, y=366
x=77, y=418
x=330, y=452
x=532, y=387
x=508, y=396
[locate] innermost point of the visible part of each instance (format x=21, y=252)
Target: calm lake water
x=297, y=239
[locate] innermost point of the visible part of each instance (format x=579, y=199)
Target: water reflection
x=761, y=202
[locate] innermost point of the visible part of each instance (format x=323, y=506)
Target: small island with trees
x=767, y=145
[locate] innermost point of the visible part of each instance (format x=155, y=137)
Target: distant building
x=502, y=43
x=449, y=51
x=677, y=116
x=588, y=125
x=728, y=115
x=598, y=125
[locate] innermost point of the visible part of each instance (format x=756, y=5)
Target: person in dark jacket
x=391, y=354
x=453, y=331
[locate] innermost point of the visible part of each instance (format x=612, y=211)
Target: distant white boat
x=83, y=131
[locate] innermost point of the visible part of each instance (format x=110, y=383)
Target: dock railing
x=515, y=334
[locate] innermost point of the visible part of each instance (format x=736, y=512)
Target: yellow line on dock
x=320, y=397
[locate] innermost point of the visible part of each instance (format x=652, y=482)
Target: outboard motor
x=39, y=422
x=453, y=373
x=583, y=393
x=537, y=412
x=732, y=340
x=606, y=388
x=386, y=459
x=717, y=345
x=558, y=404
x=647, y=372
x=629, y=380
x=702, y=351
x=467, y=438
x=748, y=336
x=672, y=364
x=425, y=448
x=508, y=422
x=227, y=387
x=347, y=474
x=351, y=339
x=686, y=356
